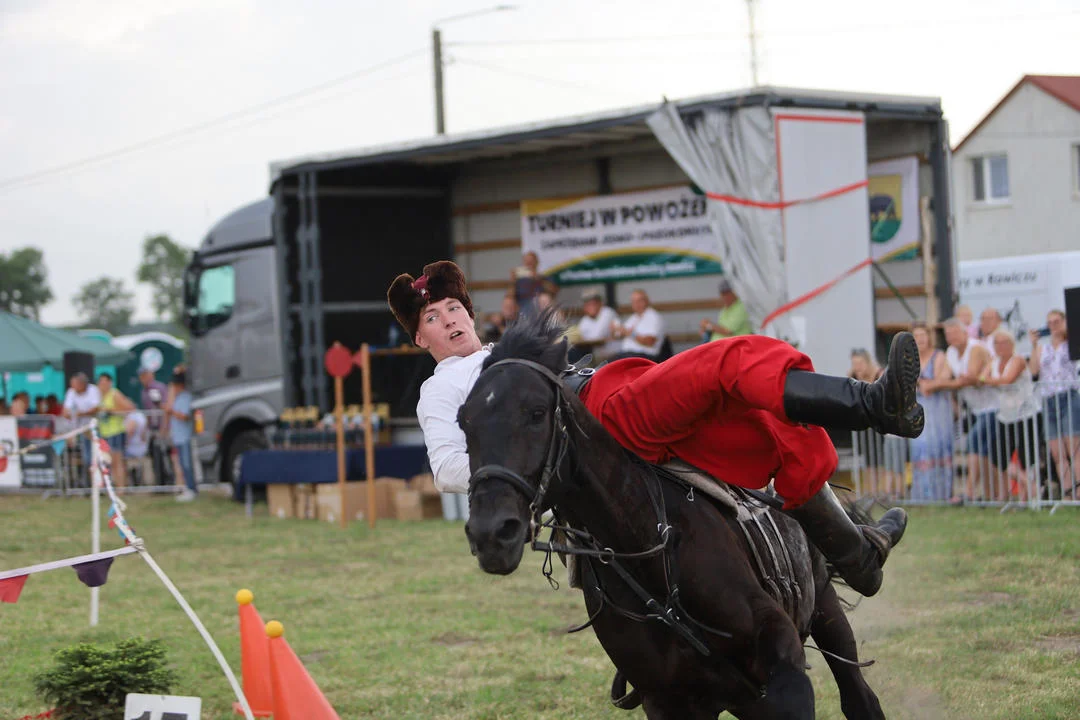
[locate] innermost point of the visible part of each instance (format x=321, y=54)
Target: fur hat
x=409, y=296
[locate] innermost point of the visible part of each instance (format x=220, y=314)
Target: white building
x=1016, y=176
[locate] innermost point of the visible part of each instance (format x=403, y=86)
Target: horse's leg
x=789, y=694
x=832, y=632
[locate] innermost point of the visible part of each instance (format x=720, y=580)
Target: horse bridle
x=556, y=452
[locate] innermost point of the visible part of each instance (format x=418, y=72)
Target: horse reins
x=671, y=613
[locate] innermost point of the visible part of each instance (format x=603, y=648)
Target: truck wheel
x=247, y=440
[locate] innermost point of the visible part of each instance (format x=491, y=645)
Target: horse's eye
x=537, y=415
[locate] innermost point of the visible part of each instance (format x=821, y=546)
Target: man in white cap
x=733, y=319
x=595, y=325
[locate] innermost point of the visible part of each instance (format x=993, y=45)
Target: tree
x=105, y=303
x=162, y=268
x=24, y=283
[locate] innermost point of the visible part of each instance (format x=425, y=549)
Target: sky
x=146, y=84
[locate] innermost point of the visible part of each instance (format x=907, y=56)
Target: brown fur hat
x=408, y=296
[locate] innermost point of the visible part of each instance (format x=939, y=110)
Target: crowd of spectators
x=995, y=415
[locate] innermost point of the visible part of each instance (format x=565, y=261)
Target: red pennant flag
x=10, y=588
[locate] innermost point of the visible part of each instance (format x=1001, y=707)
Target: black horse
x=671, y=582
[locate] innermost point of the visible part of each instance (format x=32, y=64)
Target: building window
x=990, y=178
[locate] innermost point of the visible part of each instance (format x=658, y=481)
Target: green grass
x=979, y=617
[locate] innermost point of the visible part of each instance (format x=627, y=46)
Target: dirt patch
x=452, y=639
x=989, y=598
x=1059, y=644
x=315, y=656
x=1070, y=613
x=924, y=703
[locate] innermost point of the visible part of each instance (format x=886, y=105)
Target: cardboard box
x=431, y=507
x=425, y=484
x=407, y=505
x=328, y=501
x=280, y=500
x=304, y=501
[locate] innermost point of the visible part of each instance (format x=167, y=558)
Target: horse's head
x=514, y=423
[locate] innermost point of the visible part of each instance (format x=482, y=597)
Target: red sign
x=338, y=361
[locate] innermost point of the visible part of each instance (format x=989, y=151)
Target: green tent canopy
x=25, y=346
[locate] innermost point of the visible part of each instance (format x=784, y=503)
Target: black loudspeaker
x=1072, y=318
x=77, y=362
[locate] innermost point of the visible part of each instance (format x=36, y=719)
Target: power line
x=30, y=178
x=1003, y=20
x=539, y=78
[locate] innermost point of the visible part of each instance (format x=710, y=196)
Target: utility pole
x=437, y=58
x=440, y=117
x=751, y=7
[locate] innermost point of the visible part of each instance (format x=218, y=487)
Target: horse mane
x=538, y=337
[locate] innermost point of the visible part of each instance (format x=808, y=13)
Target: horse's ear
x=555, y=356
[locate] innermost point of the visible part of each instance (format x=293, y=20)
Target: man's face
x=639, y=302
x=146, y=378
x=509, y=308
x=592, y=307
x=955, y=335
x=530, y=260
x=446, y=330
x=79, y=384
x=988, y=321
x=727, y=298
x=1002, y=346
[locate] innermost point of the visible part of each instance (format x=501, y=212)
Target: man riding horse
x=746, y=410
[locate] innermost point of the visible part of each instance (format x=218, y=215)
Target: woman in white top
x=1017, y=409
x=1061, y=401
x=968, y=361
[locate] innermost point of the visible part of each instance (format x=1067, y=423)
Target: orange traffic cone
x=254, y=659
x=296, y=696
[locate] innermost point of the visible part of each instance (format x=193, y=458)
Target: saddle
x=750, y=508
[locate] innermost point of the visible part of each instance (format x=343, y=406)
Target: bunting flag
x=92, y=570
x=11, y=587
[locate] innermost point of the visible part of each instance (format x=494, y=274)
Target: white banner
x=894, y=209
x=1022, y=289
x=11, y=475
x=629, y=236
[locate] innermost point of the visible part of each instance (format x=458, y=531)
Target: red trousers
x=719, y=407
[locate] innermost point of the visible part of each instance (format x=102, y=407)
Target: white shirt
x=979, y=399
x=1057, y=373
x=599, y=328
x=138, y=440
x=82, y=402
x=648, y=322
x=441, y=396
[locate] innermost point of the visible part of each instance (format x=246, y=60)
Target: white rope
x=50, y=441
x=137, y=543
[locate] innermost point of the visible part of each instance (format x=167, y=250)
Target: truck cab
x=231, y=309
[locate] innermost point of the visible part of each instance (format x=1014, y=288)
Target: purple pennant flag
x=94, y=573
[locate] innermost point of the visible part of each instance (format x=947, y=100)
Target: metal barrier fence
x=977, y=457
x=60, y=467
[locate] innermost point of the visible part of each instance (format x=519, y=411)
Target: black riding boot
x=856, y=551
x=887, y=405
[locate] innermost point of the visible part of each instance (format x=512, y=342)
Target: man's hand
x=1033, y=335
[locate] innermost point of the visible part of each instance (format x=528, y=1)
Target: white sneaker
x=186, y=496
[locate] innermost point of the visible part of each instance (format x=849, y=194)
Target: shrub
x=89, y=682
